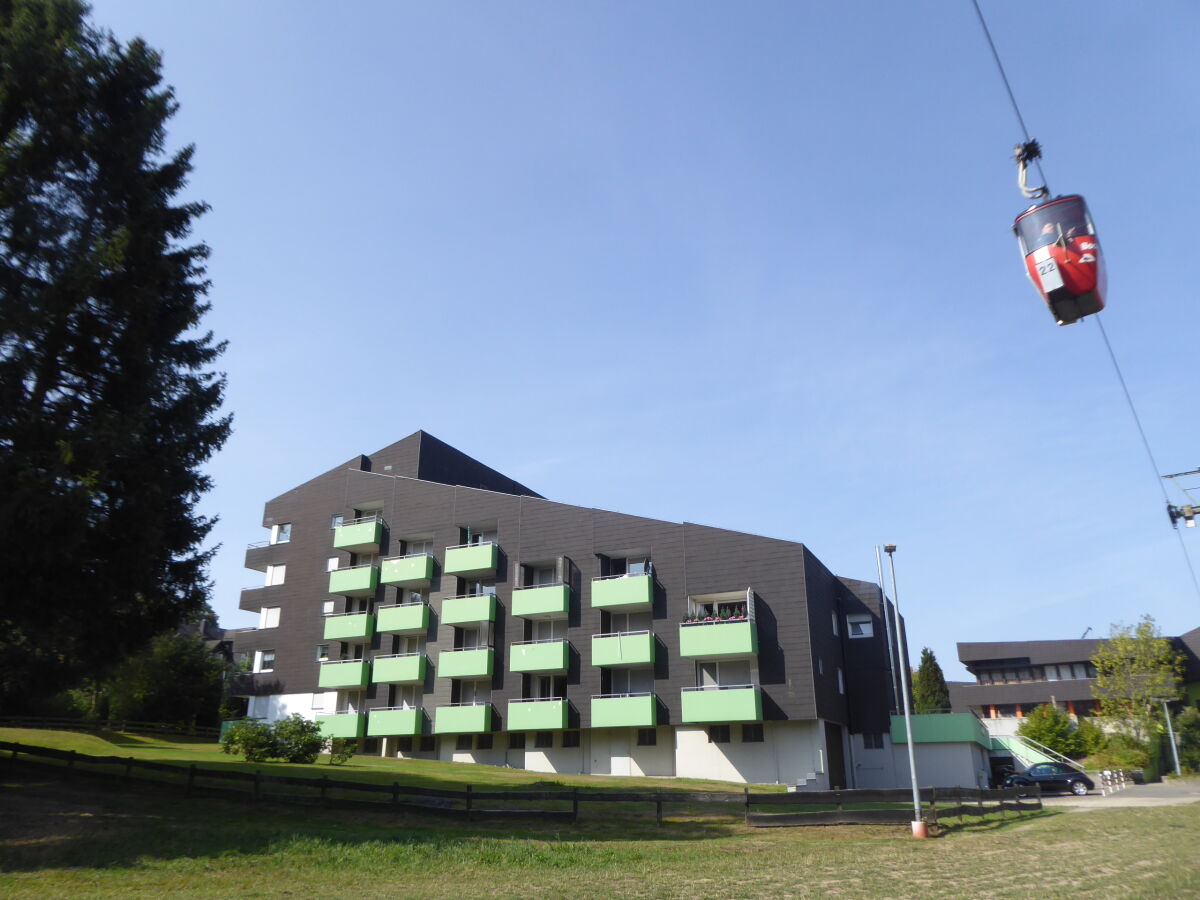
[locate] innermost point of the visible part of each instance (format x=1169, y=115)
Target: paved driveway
x=1167, y=793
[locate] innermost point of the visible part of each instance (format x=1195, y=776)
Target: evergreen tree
x=930, y=694
x=176, y=679
x=1136, y=668
x=108, y=408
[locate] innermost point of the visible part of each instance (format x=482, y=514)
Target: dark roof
x=1037, y=652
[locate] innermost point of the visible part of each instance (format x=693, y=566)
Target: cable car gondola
x=1062, y=257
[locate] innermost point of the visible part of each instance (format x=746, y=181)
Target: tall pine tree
x=930, y=694
x=108, y=405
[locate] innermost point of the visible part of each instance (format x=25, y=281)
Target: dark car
x=1052, y=777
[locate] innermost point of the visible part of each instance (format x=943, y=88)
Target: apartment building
x=429, y=606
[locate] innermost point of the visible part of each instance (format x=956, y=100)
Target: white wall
x=872, y=768
x=951, y=764
x=791, y=753
x=615, y=751
x=279, y=706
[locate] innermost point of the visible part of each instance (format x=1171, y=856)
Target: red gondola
x=1062, y=257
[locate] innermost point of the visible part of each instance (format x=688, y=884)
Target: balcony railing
x=343, y=673
x=402, y=618
x=623, y=648
x=395, y=720
x=627, y=593
x=539, y=656
x=463, y=718
x=354, y=581
x=541, y=601
x=342, y=724
x=469, y=609
x=398, y=668
x=722, y=703
x=537, y=714
x=472, y=559
x=351, y=626
x=413, y=570
x=718, y=638
x=475, y=662
x=358, y=535
x=624, y=710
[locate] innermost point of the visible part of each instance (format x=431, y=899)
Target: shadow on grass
x=57, y=821
x=992, y=824
x=143, y=742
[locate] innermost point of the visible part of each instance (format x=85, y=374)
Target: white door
x=618, y=747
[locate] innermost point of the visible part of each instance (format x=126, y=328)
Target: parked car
x=1053, y=777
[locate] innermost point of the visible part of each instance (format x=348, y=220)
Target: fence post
x=128, y=768
x=658, y=807
x=575, y=805
x=257, y=784
x=71, y=761
x=979, y=796
x=747, y=804
x=324, y=788
x=1005, y=795
x=468, y=803
x=958, y=797
x=395, y=793
x=191, y=779
x=837, y=799
x=933, y=798
x=14, y=749
x=1037, y=795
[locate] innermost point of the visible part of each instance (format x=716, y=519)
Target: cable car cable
x=1031, y=152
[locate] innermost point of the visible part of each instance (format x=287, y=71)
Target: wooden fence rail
x=782, y=809
x=124, y=725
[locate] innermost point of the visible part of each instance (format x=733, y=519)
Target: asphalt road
x=1171, y=792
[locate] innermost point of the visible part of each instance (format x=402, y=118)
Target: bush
x=1187, y=727
x=1091, y=736
x=297, y=740
x=1122, y=752
x=340, y=751
x=254, y=740
x=1052, y=727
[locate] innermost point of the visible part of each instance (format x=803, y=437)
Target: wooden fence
x=124, y=725
x=757, y=809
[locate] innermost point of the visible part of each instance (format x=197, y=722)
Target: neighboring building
x=1014, y=677
x=434, y=608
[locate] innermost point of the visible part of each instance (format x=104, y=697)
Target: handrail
x=257, y=544
x=362, y=520
x=337, y=615
x=327, y=662
x=345, y=712
x=491, y=594
x=611, y=634
x=561, y=640
x=467, y=703
x=400, y=605
x=719, y=687
x=537, y=700
x=369, y=565
x=716, y=621
x=1053, y=754
x=394, y=709
x=406, y=556
x=622, y=575
x=534, y=587
x=475, y=544
x=397, y=655
x=629, y=694
x=467, y=649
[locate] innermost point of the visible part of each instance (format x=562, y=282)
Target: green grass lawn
x=82, y=838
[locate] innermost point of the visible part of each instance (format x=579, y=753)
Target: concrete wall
x=791, y=753
x=273, y=707
x=951, y=764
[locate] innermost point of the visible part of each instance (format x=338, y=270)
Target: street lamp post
x=1171, y=737
x=918, y=824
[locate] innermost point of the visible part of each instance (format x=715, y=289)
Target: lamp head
x=889, y=549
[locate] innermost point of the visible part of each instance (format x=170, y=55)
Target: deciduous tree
x=108, y=405
x=1135, y=669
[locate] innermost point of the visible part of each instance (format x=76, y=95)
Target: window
x=543, y=739
x=647, y=737
x=264, y=661
x=413, y=546
x=820, y=666
x=318, y=702
x=752, y=734
x=516, y=741
x=484, y=742
x=428, y=743
x=335, y=520
x=841, y=681
x=834, y=617
x=718, y=734
x=404, y=744
x=570, y=739
x=327, y=607
x=538, y=575
x=322, y=652
x=275, y=574
x=281, y=534
x=268, y=617
x=872, y=740
x=463, y=742
x=730, y=672
x=332, y=564
x=859, y=626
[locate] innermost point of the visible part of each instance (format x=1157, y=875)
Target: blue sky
x=747, y=265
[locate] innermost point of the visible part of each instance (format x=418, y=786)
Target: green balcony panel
x=466, y=610
x=628, y=593
x=344, y=674
x=388, y=722
x=474, y=559
x=407, y=571
x=716, y=639
x=730, y=705
x=624, y=712
x=541, y=602
x=357, y=581
x=358, y=537
x=406, y=618
x=406, y=669
x=466, y=663
x=537, y=715
x=544, y=656
x=634, y=649
x=462, y=719
x=342, y=725
x=349, y=627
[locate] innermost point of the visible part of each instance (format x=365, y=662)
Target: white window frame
x=276, y=574
x=834, y=617
x=861, y=621
x=281, y=533
x=268, y=617
x=260, y=661
x=841, y=681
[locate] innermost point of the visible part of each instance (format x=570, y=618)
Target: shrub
x=1187, y=727
x=1122, y=752
x=340, y=751
x=297, y=740
x=254, y=740
x=1051, y=727
x=1091, y=736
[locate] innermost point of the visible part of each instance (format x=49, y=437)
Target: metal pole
x=889, y=549
x=1171, y=735
x=887, y=629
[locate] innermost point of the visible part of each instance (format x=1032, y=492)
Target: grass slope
x=87, y=839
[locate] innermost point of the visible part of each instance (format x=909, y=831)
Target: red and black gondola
x=1062, y=257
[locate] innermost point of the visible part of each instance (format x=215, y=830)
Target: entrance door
x=618, y=747
x=834, y=753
